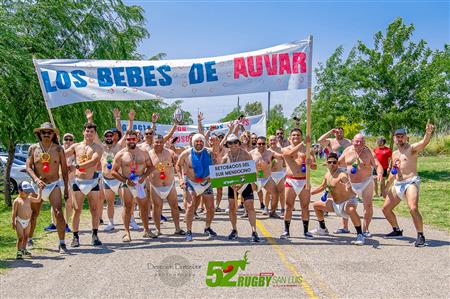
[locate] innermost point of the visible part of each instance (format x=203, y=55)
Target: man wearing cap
x=131, y=167
x=406, y=183
x=383, y=154
x=335, y=145
x=360, y=162
x=263, y=159
x=87, y=158
x=193, y=171
x=236, y=154
x=45, y=160
x=296, y=160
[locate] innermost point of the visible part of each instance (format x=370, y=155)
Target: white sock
x=111, y=221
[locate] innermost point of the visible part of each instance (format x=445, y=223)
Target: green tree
x=56, y=29
x=233, y=115
x=277, y=120
x=253, y=108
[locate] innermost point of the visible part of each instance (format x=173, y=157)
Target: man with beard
x=282, y=142
x=278, y=174
x=236, y=154
x=193, y=171
x=87, y=158
x=134, y=165
x=335, y=145
x=296, y=160
x=110, y=186
x=45, y=160
x=254, y=139
x=406, y=183
x=263, y=159
x=360, y=162
x=162, y=181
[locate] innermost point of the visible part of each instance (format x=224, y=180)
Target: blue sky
x=192, y=29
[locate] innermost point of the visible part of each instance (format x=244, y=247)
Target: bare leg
x=232, y=211
x=368, y=206
x=412, y=197
x=271, y=189
x=94, y=203
x=281, y=192
x=20, y=236
x=78, y=207
x=157, y=208
x=128, y=206
x=191, y=202
x=290, y=200
x=208, y=201
x=143, y=212
x=390, y=202
x=110, y=196
x=173, y=203
x=219, y=197
x=251, y=213
x=56, y=203
x=35, y=210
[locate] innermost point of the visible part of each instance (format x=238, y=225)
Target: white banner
x=67, y=81
x=255, y=124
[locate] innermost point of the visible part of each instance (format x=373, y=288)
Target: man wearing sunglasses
x=131, y=167
x=236, y=154
x=87, y=159
x=263, y=159
x=343, y=201
x=360, y=162
x=193, y=172
x=44, y=162
x=296, y=160
x=406, y=183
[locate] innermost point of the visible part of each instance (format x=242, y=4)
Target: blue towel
x=200, y=163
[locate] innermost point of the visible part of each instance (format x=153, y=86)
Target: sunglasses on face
x=148, y=133
x=46, y=132
x=261, y=144
x=233, y=142
x=332, y=162
x=68, y=139
x=131, y=139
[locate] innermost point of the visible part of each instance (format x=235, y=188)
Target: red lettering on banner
x=285, y=64
x=271, y=67
x=239, y=67
x=299, y=59
x=251, y=68
x=181, y=129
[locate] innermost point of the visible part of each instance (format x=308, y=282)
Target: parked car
x=18, y=173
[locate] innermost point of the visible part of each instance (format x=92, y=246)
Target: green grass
x=434, y=203
x=8, y=234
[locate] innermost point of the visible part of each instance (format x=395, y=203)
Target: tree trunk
x=11, y=150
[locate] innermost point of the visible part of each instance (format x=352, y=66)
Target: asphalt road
x=170, y=267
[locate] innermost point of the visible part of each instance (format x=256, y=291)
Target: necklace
x=133, y=167
x=160, y=166
x=232, y=159
x=45, y=157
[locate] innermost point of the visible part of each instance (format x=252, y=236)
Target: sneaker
x=149, y=234
x=75, y=242
x=360, y=240
x=227, y=210
x=394, y=234
x=68, y=230
x=163, y=218
x=255, y=238
x=218, y=210
x=96, y=241
x=341, y=231
x=134, y=225
x=320, y=232
x=367, y=234
x=101, y=221
x=282, y=211
x=308, y=235
x=244, y=216
x=181, y=210
x=285, y=235
x=26, y=253
x=180, y=232
x=30, y=244
x=210, y=232
x=265, y=211
x=241, y=206
x=109, y=227
x=274, y=215
x=196, y=217
x=62, y=248
x=19, y=255
x=189, y=236
x=50, y=228
x=420, y=242
x=233, y=235
x=262, y=206
x=325, y=214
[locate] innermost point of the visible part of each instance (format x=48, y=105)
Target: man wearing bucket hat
x=45, y=160
x=406, y=182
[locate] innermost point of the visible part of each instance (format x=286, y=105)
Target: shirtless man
x=193, y=172
x=296, y=159
x=335, y=145
x=162, y=181
x=87, y=158
x=68, y=140
x=406, y=183
x=218, y=152
x=360, y=162
x=236, y=154
x=263, y=159
x=282, y=142
x=131, y=166
x=45, y=159
x=343, y=201
x=278, y=174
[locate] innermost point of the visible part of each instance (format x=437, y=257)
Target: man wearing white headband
x=193, y=171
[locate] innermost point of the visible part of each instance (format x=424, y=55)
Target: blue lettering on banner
x=77, y=75
x=104, y=77
x=47, y=84
x=167, y=79
x=62, y=80
x=148, y=76
x=211, y=74
x=119, y=79
x=196, y=74
x=134, y=76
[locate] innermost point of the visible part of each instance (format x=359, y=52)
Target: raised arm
x=287, y=152
x=14, y=214
x=131, y=115
x=200, y=118
x=420, y=146
x=323, y=140
x=93, y=160
x=171, y=132
x=116, y=113
x=90, y=119
x=230, y=129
